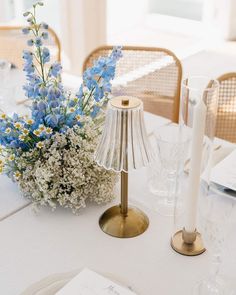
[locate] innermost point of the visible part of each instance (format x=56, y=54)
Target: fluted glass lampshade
x=124, y=144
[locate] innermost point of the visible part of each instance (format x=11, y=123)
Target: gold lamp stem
x=124, y=193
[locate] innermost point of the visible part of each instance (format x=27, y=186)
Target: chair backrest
x=13, y=42
x=152, y=74
x=226, y=115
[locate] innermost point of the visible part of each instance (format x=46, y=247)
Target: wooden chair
x=13, y=42
x=226, y=115
x=152, y=74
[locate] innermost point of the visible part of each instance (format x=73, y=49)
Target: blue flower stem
x=36, y=33
x=41, y=65
x=37, y=71
x=90, y=94
x=36, y=58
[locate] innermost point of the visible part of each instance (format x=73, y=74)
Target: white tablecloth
x=34, y=246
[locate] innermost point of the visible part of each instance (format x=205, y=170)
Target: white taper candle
x=198, y=130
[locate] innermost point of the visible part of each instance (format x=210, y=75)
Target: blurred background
x=183, y=26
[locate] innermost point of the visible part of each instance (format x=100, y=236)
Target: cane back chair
x=226, y=115
x=13, y=42
x=152, y=74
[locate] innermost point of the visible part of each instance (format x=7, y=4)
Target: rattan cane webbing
x=159, y=89
x=13, y=42
x=226, y=115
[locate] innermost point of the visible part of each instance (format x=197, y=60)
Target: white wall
x=6, y=11
x=84, y=29
x=123, y=15
x=220, y=18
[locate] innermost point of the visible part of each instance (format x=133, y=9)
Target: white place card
x=224, y=173
x=88, y=282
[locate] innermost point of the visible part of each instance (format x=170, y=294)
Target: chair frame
x=226, y=77
x=51, y=31
x=141, y=48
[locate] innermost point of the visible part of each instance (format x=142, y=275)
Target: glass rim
x=207, y=78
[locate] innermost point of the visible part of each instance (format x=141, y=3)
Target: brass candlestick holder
x=123, y=147
x=187, y=243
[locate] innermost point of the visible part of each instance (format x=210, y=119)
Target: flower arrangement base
x=188, y=244
x=116, y=224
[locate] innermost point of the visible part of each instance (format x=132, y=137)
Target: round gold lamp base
x=178, y=244
x=113, y=223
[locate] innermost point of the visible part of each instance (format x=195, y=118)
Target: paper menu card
x=88, y=282
x=224, y=173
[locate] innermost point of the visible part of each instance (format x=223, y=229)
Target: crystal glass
x=170, y=150
x=216, y=212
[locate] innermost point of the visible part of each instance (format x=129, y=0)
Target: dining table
x=37, y=245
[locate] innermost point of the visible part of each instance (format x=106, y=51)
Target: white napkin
x=88, y=282
x=224, y=173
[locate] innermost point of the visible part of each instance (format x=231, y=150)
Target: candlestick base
x=115, y=224
x=188, y=244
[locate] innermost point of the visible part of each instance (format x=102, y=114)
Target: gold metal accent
x=121, y=221
x=114, y=223
x=125, y=102
x=124, y=193
x=188, y=244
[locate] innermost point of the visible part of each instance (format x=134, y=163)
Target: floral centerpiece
x=50, y=153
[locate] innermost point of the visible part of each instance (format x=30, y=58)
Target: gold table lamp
x=123, y=147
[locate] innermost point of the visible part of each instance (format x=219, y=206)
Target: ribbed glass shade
x=124, y=143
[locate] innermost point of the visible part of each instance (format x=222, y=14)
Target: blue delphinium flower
x=54, y=104
x=116, y=52
x=45, y=35
x=97, y=79
x=25, y=31
x=29, y=68
x=55, y=69
x=42, y=106
x=45, y=55
x=27, y=56
x=52, y=120
x=38, y=42
x=44, y=25
x=53, y=92
x=30, y=42
x=52, y=107
x=43, y=91
x=95, y=111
